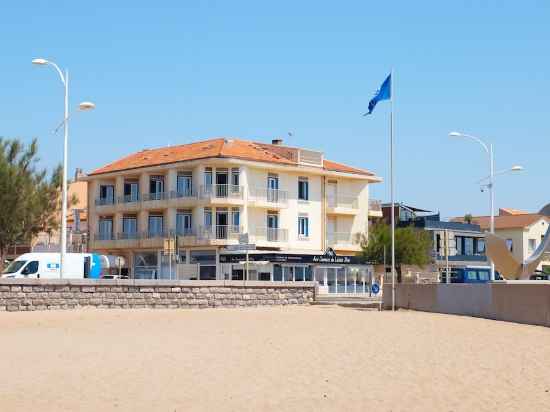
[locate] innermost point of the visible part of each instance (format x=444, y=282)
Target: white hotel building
x=293, y=204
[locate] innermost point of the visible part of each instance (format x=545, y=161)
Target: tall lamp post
x=83, y=106
x=491, y=178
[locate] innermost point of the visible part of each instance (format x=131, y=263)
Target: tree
x=468, y=218
x=29, y=198
x=412, y=246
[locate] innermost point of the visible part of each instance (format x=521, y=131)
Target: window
x=272, y=188
x=459, y=245
x=106, y=228
x=480, y=247
x=236, y=216
x=31, y=268
x=184, y=224
x=468, y=246
x=471, y=275
x=303, y=188
x=483, y=275
x=303, y=226
x=106, y=194
x=184, y=184
x=510, y=244
x=207, y=217
x=272, y=226
x=155, y=225
x=235, y=176
x=208, y=176
x=156, y=187
x=129, y=226
x=131, y=191
x=532, y=245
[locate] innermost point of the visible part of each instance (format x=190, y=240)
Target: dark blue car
x=470, y=274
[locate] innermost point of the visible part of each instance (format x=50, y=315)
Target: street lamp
x=83, y=106
x=491, y=178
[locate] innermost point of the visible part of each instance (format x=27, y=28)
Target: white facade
x=208, y=203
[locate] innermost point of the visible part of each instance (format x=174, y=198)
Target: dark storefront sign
x=327, y=258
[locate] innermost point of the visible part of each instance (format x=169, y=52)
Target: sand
x=270, y=359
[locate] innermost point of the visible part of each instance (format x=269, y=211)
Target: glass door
x=272, y=188
x=184, y=185
x=272, y=226
x=221, y=224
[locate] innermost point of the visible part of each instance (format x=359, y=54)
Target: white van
x=46, y=266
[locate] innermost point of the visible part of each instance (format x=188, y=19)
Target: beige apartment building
x=294, y=205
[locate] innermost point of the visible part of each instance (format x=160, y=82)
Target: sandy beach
x=270, y=359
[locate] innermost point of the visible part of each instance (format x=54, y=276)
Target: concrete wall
x=513, y=301
x=39, y=294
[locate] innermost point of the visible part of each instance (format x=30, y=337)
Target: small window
x=303, y=188
x=483, y=275
x=471, y=275
x=510, y=244
x=532, y=244
x=236, y=216
x=31, y=268
x=303, y=226
x=235, y=176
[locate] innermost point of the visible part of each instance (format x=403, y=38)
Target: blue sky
x=173, y=72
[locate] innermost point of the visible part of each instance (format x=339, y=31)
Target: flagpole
x=392, y=91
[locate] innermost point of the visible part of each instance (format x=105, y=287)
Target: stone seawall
x=42, y=294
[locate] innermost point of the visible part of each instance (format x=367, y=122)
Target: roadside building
x=466, y=241
x=523, y=231
x=294, y=205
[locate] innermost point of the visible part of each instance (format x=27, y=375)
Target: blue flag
x=383, y=93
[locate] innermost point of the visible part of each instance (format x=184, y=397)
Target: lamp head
x=40, y=62
x=455, y=134
x=516, y=168
x=86, y=106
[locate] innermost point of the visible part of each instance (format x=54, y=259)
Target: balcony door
x=156, y=187
x=131, y=190
x=221, y=183
x=222, y=221
x=272, y=188
x=184, y=223
x=155, y=225
x=331, y=194
x=185, y=184
x=106, y=194
x=106, y=228
x=272, y=226
x=129, y=227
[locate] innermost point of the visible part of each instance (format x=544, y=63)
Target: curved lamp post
x=82, y=106
x=490, y=185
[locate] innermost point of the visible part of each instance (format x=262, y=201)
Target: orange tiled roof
x=506, y=221
x=221, y=148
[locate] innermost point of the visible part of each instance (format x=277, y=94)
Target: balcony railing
x=128, y=236
x=129, y=198
x=104, y=236
x=272, y=234
x=157, y=234
x=220, y=232
x=342, y=238
x=103, y=201
x=345, y=201
x=154, y=196
x=183, y=194
x=222, y=191
x=269, y=195
x=185, y=231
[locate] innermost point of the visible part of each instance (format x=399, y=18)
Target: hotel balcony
x=104, y=240
x=105, y=204
x=186, y=237
x=154, y=239
x=186, y=198
x=375, y=208
x=343, y=241
x=219, y=234
x=127, y=240
x=269, y=236
x=222, y=194
x=342, y=205
x=154, y=200
x=128, y=203
x=267, y=198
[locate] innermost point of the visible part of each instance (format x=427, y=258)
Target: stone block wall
x=42, y=294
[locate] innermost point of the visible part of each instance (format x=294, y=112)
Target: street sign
x=169, y=245
x=247, y=246
x=375, y=288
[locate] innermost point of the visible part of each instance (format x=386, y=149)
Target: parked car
x=470, y=274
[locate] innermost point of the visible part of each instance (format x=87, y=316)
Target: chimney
x=277, y=142
x=78, y=174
